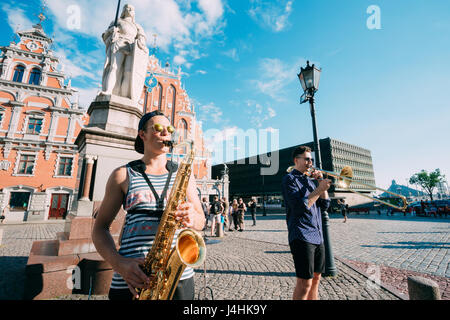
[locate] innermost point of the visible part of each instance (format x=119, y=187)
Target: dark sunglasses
x=160, y=128
x=306, y=159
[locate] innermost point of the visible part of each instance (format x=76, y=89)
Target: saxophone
x=164, y=265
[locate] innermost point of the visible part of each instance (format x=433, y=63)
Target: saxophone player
x=144, y=202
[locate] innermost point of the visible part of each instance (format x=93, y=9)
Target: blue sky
x=383, y=89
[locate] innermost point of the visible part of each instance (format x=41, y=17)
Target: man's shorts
x=216, y=218
x=308, y=258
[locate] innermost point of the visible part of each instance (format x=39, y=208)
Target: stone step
x=48, y=276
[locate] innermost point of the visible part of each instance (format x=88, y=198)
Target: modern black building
x=246, y=179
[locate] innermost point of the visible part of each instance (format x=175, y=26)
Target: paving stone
x=257, y=264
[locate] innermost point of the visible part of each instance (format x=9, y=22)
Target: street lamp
x=309, y=79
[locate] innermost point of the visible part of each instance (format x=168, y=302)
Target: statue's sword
x=117, y=14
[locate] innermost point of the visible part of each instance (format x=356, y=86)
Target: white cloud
x=270, y=14
x=176, y=25
x=258, y=113
x=209, y=112
x=212, y=8
x=75, y=66
x=86, y=96
x=179, y=60
x=16, y=17
x=276, y=75
x=232, y=53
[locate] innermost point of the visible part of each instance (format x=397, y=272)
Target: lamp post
x=309, y=79
x=264, y=162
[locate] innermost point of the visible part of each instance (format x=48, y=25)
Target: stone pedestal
x=106, y=143
x=70, y=264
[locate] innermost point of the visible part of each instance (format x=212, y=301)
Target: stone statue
x=126, y=57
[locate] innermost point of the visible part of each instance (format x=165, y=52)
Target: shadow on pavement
x=250, y=273
x=13, y=277
x=411, y=245
x=277, y=251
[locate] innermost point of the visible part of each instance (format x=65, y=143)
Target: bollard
x=219, y=229
x=420, y=288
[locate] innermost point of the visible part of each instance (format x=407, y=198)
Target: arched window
x=160, y=89
x=183, y=130
x=174, y=94
x=19, y=70
x=35, y=76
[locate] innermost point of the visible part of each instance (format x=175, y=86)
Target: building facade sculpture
x=126, y=56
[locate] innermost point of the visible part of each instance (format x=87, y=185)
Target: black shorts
x=308, y=258
x=184, y=291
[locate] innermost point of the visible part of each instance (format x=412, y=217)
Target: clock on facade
x=32, y=46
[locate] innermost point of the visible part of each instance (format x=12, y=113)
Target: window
x=18, y=73
x=160, y=89
x=34, y=125
x=35, y=76
x=26, y=164
x=183, y=129
x=19, y=200
x=65, y=166
x=183, y=133
x=174, y=95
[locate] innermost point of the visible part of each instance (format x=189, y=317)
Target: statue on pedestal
x=126, y=57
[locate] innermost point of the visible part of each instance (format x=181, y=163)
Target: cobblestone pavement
x=256, y=263
x=15, y=246
x=239, y=268
x=413, y=243
x=395, y=247
x=398, y=278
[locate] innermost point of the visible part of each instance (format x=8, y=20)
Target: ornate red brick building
x=167, y=95
x=38, y=125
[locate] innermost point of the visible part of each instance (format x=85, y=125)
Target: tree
x=428, y=182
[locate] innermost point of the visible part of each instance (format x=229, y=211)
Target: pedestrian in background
x=225, y=213
x=205, y=207
x=240, y=215
x=215, y=212
x=234, y=213
x=252, y=206
x=343, y=208
x=5, y=211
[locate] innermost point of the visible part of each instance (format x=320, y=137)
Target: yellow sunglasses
x=159, y=128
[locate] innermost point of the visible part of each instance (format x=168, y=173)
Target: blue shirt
x=303, y=223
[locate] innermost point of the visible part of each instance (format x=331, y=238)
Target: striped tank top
x=139, y=229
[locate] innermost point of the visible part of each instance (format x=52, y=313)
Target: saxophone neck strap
x=139, y=166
